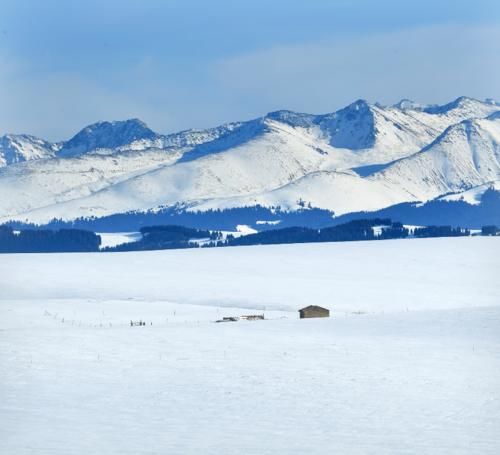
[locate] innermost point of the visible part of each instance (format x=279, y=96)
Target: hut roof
x=313, y=307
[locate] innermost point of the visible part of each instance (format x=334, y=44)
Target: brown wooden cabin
x=314, y=311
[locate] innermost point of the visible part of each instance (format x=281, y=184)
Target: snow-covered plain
x=408, y=363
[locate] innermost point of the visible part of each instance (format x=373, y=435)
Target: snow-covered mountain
x=362, y=157
x=464, y=156
x=107, y=135
x=15, y=148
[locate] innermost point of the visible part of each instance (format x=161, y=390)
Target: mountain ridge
x=411, y=153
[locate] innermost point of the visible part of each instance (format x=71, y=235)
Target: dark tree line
x=440, y=231
x=351, y=231
x=168, y=237
x=490, y=230
x=178, y=237
x=395, y=231
x=47, y=241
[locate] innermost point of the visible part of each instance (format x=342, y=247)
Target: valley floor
x=408, y=363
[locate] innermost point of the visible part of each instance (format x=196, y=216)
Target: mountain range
x=364, y=157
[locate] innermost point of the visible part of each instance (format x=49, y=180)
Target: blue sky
x=193, y=63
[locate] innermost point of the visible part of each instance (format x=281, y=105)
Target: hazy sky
x=178, y=64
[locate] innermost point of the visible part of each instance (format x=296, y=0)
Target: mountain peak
x=107, y=134
x=462, y=102
x=352, y=127
x=291, y=118
x=358, y=105
x=132, y=122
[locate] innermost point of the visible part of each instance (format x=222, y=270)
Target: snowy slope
x=464, y=156
x=15, y=148
x=416, y=153
x=339, y=191
x=472, y=196
x=278, y=277
x=407, y=363
x=37, y=184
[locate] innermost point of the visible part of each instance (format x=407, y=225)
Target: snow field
x=407, y=364
x=378, y=276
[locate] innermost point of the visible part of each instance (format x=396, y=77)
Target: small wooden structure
x=248, y=317
x=314, y=311
x=137, y=323
x=228, y=319
x=253, y=317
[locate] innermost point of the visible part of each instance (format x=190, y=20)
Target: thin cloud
x=432, y=64
x=429, y=64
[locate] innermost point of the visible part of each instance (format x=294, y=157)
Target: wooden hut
x=314, y=311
